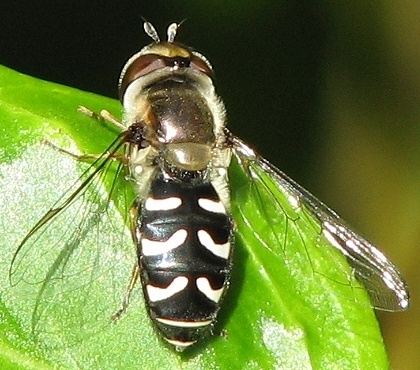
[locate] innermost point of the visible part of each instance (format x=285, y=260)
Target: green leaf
x=292, y=304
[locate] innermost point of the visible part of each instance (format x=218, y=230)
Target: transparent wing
x=385, y=285
x=79, y=249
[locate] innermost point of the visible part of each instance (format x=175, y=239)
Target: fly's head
x=167, y=89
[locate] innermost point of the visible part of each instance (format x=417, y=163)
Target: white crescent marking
x=154, y=248
x=166, y=204
x=180, y=345
x=184, y=324
x=159, y=294
x=204, y=287
x=220, y=250
x=211, y=205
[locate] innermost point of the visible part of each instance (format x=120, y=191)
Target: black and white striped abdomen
x=185, y=241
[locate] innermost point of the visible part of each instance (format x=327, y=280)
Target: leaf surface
x=292, y=303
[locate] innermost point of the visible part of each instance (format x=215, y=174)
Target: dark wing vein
x=69, y=196
x=78, y=244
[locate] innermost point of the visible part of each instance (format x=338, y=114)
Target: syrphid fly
x=177, y=155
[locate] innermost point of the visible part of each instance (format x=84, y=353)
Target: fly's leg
x=87, y=157
x=136, y=270
x=105, y=116
x=102, y=116
x=126, y=301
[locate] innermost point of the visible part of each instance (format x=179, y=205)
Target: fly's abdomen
x=185, y=242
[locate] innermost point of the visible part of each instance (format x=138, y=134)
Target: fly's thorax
x=182, y=123
x=168, y=89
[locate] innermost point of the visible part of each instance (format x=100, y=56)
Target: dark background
x=266, y=59
x=327, y=92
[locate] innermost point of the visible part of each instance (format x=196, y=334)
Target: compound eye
x=143, y=65
x=146, y=64
x=200, y=65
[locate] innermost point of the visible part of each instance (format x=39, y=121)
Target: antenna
x=171, y=32
x=173, y=29
x=151, y=31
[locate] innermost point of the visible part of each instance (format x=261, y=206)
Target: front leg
x=102, y=116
